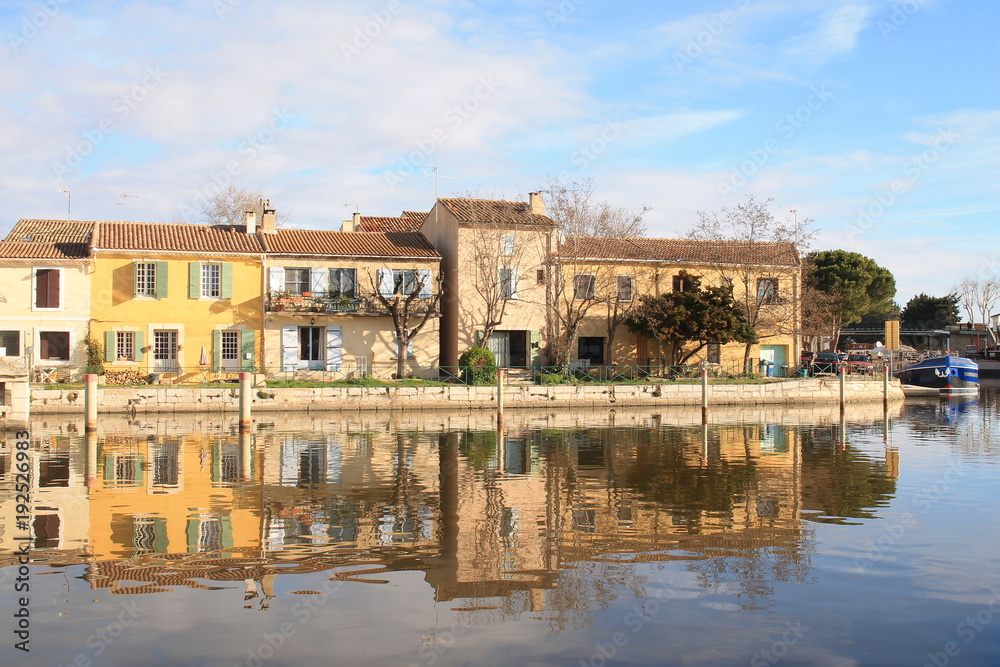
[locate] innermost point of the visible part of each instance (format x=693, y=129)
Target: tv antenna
x=436, y=176
x=69, y=204
x=358, y=205
x=122, y=205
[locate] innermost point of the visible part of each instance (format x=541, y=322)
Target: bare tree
x=230, y=205
x=411, y=300
x=980, y=296
x=572, y=206
x=765, y=250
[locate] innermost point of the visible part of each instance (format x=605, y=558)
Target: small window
x=591, y=348
x=47, y=286
x=584, y=286
x=624, y=288
x=230, y=345
x=10, y=343
x=404, y=281
x=343, y=282
x=211, y=280
x=297, y=280
x=540, y=277
x=508, y=245
x=125, y=345
x=145, y=278
x=682, y=283
x=53, y=345
x=767, y=290
x=508, y=284
x=714, y=353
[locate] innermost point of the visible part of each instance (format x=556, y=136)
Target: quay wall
x=165, y=399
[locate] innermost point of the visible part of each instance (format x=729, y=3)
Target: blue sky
x=877, y=119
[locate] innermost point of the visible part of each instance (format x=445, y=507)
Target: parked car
x=859, y=363
x=806, y=357
x=826, y=362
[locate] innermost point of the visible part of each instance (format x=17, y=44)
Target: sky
x=878, y=120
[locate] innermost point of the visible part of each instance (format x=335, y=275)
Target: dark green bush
x=478, y=365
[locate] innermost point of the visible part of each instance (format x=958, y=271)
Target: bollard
x=246, y=454
x=704, y=395
x=843, y=390
x=245, y=401
x=885, y=389
x=91, y=475
x=500, y=378
x=90, y=402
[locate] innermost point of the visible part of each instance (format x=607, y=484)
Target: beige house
x=495, y=260
x=45, y=276
x=323, y=310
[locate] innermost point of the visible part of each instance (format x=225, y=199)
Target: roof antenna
x=435, y=176
x=122, y=205
x=358, y=204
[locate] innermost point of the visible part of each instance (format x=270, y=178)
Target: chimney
x=356, y=222
x=251, y=222
x=268, y=224
x=536, y=205
x=347, y=225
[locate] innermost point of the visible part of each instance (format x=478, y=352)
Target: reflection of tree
x=841, y=482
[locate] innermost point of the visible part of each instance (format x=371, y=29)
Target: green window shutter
x=226, y=528
x=139, y=341
x=110, y=343
x=193, y=533
x=227, y=281
x=479, y=338
x=160, y=531
x=161, y=280
x=536, y=349
x=248, y=338
x=194, y=280
x=217, y=350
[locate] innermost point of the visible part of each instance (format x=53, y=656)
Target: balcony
x=309, y=303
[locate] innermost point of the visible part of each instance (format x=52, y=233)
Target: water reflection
x=550, y=513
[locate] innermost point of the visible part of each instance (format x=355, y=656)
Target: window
x=311, y=343
x=508, y=245
x=210, y=281
x=767, y=290
x=624, y=288
x=591, y=348
x=125, y=345
x=409, y=349
x=508, y=284
x=343, y=282
x=540, y=277
x=146, y=278
x=714, y=353
x=10, y=343
x=47, y=284
x=584, y=285
x=165, y=350
x=297, y=280
x=404, y=281
x=230, y=341
x=682, y=283
x=53, y=345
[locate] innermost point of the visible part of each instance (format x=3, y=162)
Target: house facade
x=45, y=274
x=334, y=298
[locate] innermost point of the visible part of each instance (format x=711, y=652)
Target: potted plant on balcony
x=279, y=300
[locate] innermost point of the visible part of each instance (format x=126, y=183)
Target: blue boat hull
x=951, y=375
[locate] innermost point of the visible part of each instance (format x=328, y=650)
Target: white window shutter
x=334, y=348
x=385, y=285
x=289, y=348
x=276, y=279
x=318, y=280
x=513, y=283
x=426, y=283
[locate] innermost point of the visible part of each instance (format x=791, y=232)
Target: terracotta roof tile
x=47, y=239
x=172, y=236
x=408, y=222
x=349, y=244
x=495, y=211
x=682, y=250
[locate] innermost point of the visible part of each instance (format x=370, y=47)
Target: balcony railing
x=360, y=304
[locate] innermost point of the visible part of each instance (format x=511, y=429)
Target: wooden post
x=245, y=401
x=843, y=388
x=704, y=395
x=500, y=387
x=885, y=389
x=90, y=402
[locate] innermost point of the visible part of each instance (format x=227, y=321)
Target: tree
x=687, y=321
x=766, y=253
x=856, y=284
x=411, y=303
x=230, y=205
x=980, y=296
x=573, y=208
x=930, y=312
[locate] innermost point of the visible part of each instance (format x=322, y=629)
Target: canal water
x=770, y=536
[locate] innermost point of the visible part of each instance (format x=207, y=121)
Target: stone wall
x=115, y=400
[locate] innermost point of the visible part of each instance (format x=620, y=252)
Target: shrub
x=478, y=365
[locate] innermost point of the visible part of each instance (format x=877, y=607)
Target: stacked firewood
x=125, y=377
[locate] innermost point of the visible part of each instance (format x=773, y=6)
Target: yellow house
x=176, y=300
x=604, y=277
x=335, y=298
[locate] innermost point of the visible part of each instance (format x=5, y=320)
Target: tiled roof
x=408, y=222
x=47, y=239
x=172, y=236
x=495, y=211
x=348, y=244
x=679, y=250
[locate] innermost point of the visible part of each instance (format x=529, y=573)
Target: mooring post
x=500, y=383
x=91, y=474
x=843, y=386
x=885, y=389
x=246, y=454
x=245, y=401
x=704, y=395
x=90, y=401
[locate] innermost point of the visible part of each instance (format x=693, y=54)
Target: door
x=510, y=348
x=165, y=351
x=776, y=359
x=312, y=344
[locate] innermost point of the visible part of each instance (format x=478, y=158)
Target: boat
x=951, y=375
